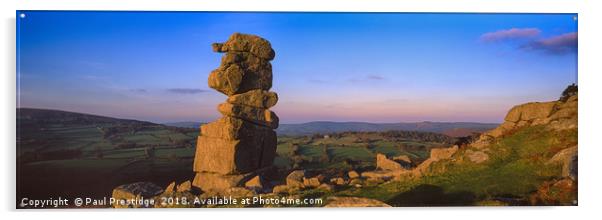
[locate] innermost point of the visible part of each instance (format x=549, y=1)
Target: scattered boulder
x=326, y=187
x=437, y=154
x=313, y=181
x=135, y=191
x=295, y=178
x=357, y=182
x=185, y=186
x=353, y=174
x=568, y=159
x=338, y=181
x=354, y=202
x=255, y=182
x=443, y=153
x=170, y=188
x=383, y=163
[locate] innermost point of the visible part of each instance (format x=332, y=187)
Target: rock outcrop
x=397, y=163
x=568, y=159
x=557, y=115
x=242, y=144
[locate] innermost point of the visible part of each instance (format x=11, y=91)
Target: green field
x=73, y=155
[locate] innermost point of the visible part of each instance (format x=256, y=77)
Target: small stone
x=255, y=182
x=185, y=186
x=139, y=190
x=326, y=187
x=338, y=181
x=313, y=181
x=170, y=188
x=353, y=174
x=295, y=178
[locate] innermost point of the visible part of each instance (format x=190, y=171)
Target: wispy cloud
x=375, y=77
x=138, y=90
x=508, y=34
x=185, y=91
x=558, y=45
x=371, y=77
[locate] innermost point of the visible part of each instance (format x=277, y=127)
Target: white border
x=589, y=83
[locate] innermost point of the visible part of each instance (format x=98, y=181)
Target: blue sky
x=376, y=67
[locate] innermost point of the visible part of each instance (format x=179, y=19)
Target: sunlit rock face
x=242, y=144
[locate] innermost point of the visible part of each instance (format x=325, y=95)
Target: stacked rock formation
x=238, y=146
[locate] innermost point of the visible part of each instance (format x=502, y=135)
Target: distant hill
x=454, y=129
x=184, y=124
x=50, y=116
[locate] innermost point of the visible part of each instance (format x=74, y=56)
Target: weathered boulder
x=402, y=158
x=254, y=182
x=246, y=43
x=437, y=154
x=313, y=181
x=443, y=153
x=353, y=174
x=326, y=187
x=135, y=191
x=235, y=156
x=258, y=116
x=568, y=159
x=338, y=181
x=185, y=186
x=383, y=163
x=295, y=178
x=170, y=188
x=530, y=112
x=354, y=202
x=226, y=80
x=233, y=79
x=255, y=98
x=557, y=115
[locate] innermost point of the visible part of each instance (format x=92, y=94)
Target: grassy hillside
x=515, y=170
x=73, y=154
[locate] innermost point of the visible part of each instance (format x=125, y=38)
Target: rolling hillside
x=454, y=129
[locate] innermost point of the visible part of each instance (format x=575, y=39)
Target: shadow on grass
x=431, y=195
